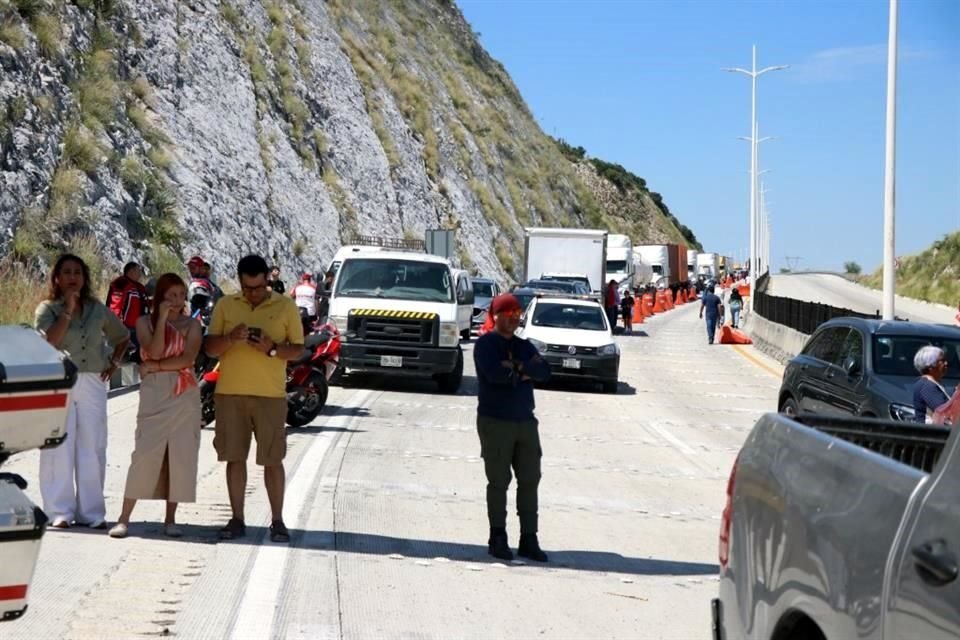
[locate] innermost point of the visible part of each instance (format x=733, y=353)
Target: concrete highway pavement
x=837, y=291
x=385, y=501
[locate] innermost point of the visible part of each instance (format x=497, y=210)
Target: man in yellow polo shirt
x=254, y=334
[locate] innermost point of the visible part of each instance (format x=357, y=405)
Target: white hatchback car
x=574, y=337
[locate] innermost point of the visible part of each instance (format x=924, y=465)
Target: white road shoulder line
x=259, y=601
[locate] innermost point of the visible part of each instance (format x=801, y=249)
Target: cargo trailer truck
x=580, y=253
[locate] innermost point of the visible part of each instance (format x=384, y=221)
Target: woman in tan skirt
x=164, y=461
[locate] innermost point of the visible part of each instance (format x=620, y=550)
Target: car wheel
x=789, y=407
x=610, y=386
x=449, y=383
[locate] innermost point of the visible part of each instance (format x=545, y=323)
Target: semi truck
x=580, y=253
x=708, y=265
x=667, y=261
x=620, y=259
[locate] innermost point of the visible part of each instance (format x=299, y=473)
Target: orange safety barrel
x=637, y=317
x=729, y=335
x=659, y=302
x=744, y=290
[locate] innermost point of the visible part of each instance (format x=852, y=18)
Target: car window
x=828, y=345
x=852, y=348
x=563, y=316
x=893, y=355
x=484, y=289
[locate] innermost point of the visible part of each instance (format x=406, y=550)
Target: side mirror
x=852, y=366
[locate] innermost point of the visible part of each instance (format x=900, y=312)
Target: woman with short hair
x=73, y=320
x=928, y=391
x=164, y=461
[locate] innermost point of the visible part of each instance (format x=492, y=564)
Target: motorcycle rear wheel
x=315, y=392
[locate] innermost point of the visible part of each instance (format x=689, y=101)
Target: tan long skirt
x=167, y=442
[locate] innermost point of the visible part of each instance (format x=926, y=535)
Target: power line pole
x=889, y=177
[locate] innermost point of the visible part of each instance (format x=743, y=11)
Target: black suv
x=854, y=366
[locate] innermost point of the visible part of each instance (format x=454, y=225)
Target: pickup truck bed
x=839, y=527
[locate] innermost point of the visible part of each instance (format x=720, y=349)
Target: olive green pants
x=505, y=444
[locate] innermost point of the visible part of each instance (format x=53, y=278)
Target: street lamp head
x=738, y=70
x=776, y=68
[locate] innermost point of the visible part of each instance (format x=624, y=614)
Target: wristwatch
x=273, y=352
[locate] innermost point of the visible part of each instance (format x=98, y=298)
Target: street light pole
x=889, y=177
x=753, y=74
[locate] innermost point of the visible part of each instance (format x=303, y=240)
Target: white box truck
x=691, y=265
x=580, y=254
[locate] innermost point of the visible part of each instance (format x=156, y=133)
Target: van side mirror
x=852, y=366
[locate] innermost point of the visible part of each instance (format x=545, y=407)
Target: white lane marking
x=259, y=601
x=672, y=439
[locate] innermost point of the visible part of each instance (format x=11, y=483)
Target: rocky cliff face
x=159, y=129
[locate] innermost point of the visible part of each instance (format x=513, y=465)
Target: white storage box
x=22, y=525
x=35, y=384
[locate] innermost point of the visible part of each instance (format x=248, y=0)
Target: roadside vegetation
x=933, y=275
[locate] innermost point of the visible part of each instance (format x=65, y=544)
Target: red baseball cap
x=196, y=261
x=505, y=302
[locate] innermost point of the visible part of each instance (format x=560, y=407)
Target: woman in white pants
x=72, y=475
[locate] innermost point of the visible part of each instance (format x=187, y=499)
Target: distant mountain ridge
x=933, y=275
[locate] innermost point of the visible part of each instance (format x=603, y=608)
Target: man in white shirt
x=305, y=295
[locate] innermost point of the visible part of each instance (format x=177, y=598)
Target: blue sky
x=640, y=83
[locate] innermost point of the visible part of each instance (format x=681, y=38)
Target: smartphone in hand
x=254, y=334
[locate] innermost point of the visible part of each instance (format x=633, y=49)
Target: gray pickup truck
x=840, y=528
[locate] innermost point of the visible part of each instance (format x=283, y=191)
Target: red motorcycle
x=307, y=379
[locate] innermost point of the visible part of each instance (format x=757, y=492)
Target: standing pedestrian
x=253, y=334
x=736, y=306
x=305, y=295
x=275, y=284
x=928, y=391
x=626, y=309
x=164, y=461
x=506, y=367
x=72, y=475
x=127, y=299
x=712, y=305
x=612, y=303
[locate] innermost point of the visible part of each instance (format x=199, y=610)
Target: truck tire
x=450, y=382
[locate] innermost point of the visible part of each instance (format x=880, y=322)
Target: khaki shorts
x=239, y=417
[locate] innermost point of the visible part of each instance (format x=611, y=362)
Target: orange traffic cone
x=659, y=304
x=637, y=317
x=668, y=298
x=646, y=305
x=682, y=296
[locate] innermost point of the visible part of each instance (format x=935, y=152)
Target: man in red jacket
x=127, y=298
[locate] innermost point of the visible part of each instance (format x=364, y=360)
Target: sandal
x=119, y=530
x=278, y=532
x=234, y=529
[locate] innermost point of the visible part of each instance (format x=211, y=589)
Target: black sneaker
x=530, y=548
x=278, y=532
x=234, y=529
x=498, y=546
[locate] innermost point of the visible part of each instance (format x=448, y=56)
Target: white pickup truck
x=838, y=528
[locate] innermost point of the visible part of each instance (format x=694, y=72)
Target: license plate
x=571, y=363
x=391, y=361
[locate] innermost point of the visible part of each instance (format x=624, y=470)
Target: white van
x=465, y=300
x=399, y=314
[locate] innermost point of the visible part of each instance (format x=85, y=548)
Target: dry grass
x=49, y=34
x=12, y=35
x=23, y=291
x=66, y=197
x=80, y=149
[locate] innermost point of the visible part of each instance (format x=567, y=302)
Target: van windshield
x=483, y=289
x=616, y=266
x=395, y=279
x=893, y=355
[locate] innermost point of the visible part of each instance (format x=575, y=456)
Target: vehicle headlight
x=902, y=412
x=449, y=334
x=609, y=349
x=340, y=322
x=538, y=344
